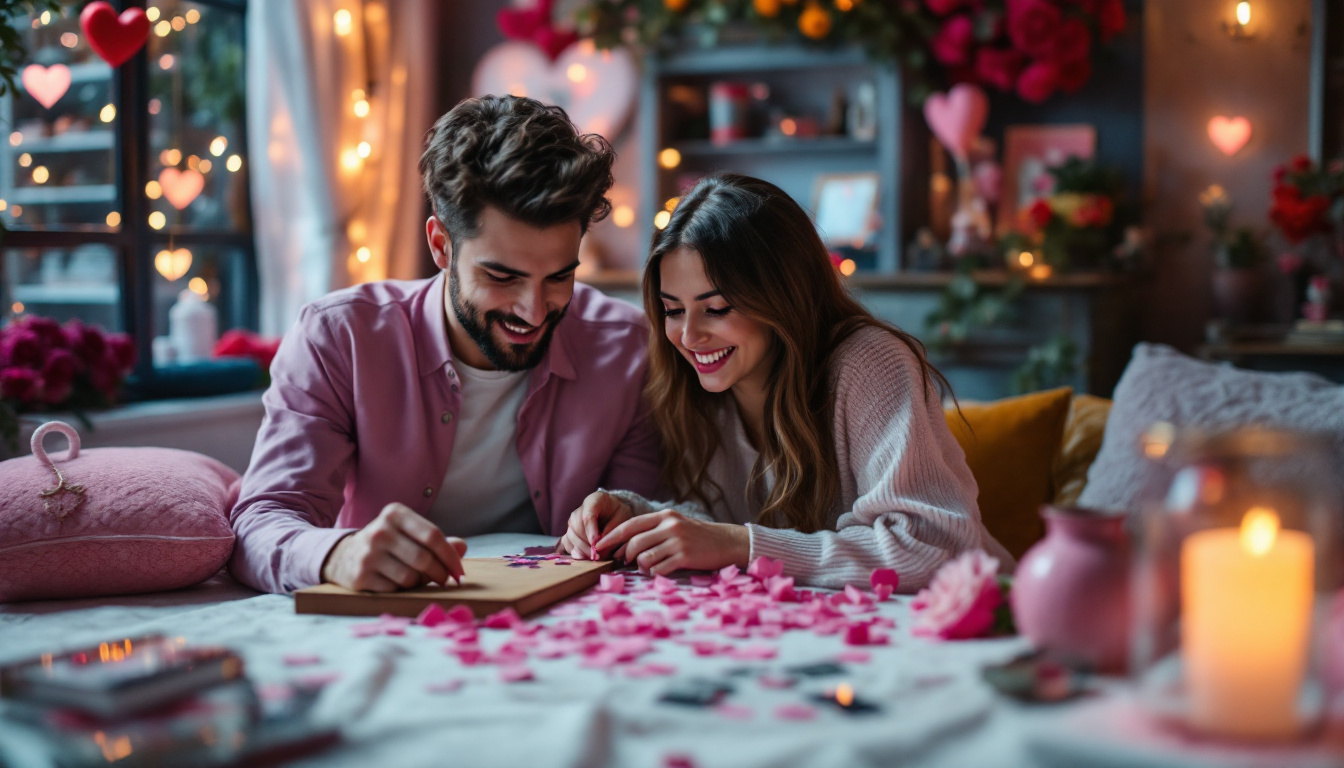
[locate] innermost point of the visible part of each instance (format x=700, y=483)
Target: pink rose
x=1033, y=26
x=952, y=44
x=22, y=384
x=998, y=67
x=1037, y=82
x=20, y=347
x=960, y=601
x=59, y=376
x=48, y=330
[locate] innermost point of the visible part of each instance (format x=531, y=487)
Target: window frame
x=134, y=241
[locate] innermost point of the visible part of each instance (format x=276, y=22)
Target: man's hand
x=667, y=541
x=398, y=550
x=600, y=513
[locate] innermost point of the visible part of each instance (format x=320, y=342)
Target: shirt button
x=446, y=417
x=429, y=490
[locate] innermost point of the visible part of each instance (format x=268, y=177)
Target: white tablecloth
x=936, y=711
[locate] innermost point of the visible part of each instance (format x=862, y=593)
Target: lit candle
x=1245, y=626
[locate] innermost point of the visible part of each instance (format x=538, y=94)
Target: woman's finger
x=669, y=565
x=656, y=554
x=624, y=531
x=641, y=543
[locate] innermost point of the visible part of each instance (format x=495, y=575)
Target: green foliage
x=1087, y=177
x=1049, y=364
x=13, y=16
x=966, y=305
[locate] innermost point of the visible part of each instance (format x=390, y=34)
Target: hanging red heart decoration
x=115, y=38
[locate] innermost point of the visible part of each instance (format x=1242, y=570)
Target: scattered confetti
x=776, y=681
x=678, y=761
x=613, y=583
x=317, y=680
x=795, y=712
x=515, y=674
x=735, y=711
x=302, y=659
x=446, y=686
x=854, y=656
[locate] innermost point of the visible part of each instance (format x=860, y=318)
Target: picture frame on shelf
x=1029, y=151
x=845, y=207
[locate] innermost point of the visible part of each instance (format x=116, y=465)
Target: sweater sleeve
x=916, y=498
x=642, y=506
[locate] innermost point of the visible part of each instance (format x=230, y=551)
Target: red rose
x=1038, y=81
x=1039, y=214
x=1111, y=19
x=943, y=7
x=22, y=384
x=59, y=376
x=1073, y=43
x=1280, y=173
x=1033, y=26
x=998, y=67
x=953, y=41
x=122, y=349
x=20, y=347
x=1074, y=75
x=1096, y=211
x=1296, y=217
x=105, y=376
x=1301, y=164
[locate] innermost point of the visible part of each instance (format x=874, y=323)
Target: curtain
x=340, y=94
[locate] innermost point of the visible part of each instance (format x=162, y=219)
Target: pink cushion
x=147, y=519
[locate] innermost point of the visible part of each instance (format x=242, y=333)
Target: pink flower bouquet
x=965, y=599
x=48, y=366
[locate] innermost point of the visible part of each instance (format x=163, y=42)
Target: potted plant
x=1238, y=255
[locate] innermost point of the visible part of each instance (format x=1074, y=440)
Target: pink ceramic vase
x=1070, y=593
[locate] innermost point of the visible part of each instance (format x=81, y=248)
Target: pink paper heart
x=957, y=117
x=46, y=84
x=1229, y=134
x=181, y=187
x=596, y=88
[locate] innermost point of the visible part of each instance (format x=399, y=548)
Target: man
x=493, y=397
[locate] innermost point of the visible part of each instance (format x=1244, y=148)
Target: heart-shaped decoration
x=181, y=187
x=534, y=25
x=115, y=38
x=596, y=88
x=46, y=84
x=172, y=264
x=957, y=117
x=1229, y=134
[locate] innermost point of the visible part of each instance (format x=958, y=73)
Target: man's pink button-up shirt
x=362, y=411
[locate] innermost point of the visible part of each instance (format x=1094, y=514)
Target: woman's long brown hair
x=761, y=251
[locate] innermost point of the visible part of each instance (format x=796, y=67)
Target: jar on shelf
x=1236, y=564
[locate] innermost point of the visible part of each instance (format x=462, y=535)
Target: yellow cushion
x=1010, y=445
x=1082, y=440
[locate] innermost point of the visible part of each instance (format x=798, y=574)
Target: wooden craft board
x=490, y=585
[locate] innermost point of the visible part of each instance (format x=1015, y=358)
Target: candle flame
x=844, y=695
x=1259, y=528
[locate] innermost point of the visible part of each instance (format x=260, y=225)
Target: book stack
x=1311, y=333
x=156, y=700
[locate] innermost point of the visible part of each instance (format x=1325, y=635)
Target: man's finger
x=427, y=535
x=408, y=551
x=590, y=529
x=395, y=571
x=624, y=531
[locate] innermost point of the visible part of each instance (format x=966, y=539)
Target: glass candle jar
x=1236, y=561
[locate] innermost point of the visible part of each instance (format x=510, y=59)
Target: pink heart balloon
x=596, y=88
x=181, y=187
x=46, y=84
x=957, y=117
x=1229, y=134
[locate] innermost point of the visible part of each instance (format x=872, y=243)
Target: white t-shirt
x=484, y=490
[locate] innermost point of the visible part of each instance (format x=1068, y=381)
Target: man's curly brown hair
x=521, y=156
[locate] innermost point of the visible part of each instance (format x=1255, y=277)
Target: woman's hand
x=600, y=513
x=667, y=541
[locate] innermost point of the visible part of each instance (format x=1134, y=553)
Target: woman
x=796, y=425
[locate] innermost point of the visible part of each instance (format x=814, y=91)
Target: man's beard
x=504, y=357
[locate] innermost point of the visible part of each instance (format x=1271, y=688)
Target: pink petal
x=795, y=712
x=884, y=577
x=701, y=580
x=781, y=589
x=302, y=659
x=764, y=568
x=664, y=586
x=774, y=681
x=318, y=680
x=611, y=582
x=445, y=686
x=678, y=760
x=505, y=619
x=856, y=634
x=734, y=712
x=432, y=616
x=754, y=652
x=854, y=597
x=461, y=614
x=853, y=656
x=728, y=572
x=515, y=674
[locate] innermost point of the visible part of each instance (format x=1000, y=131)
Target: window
x=131, y=185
